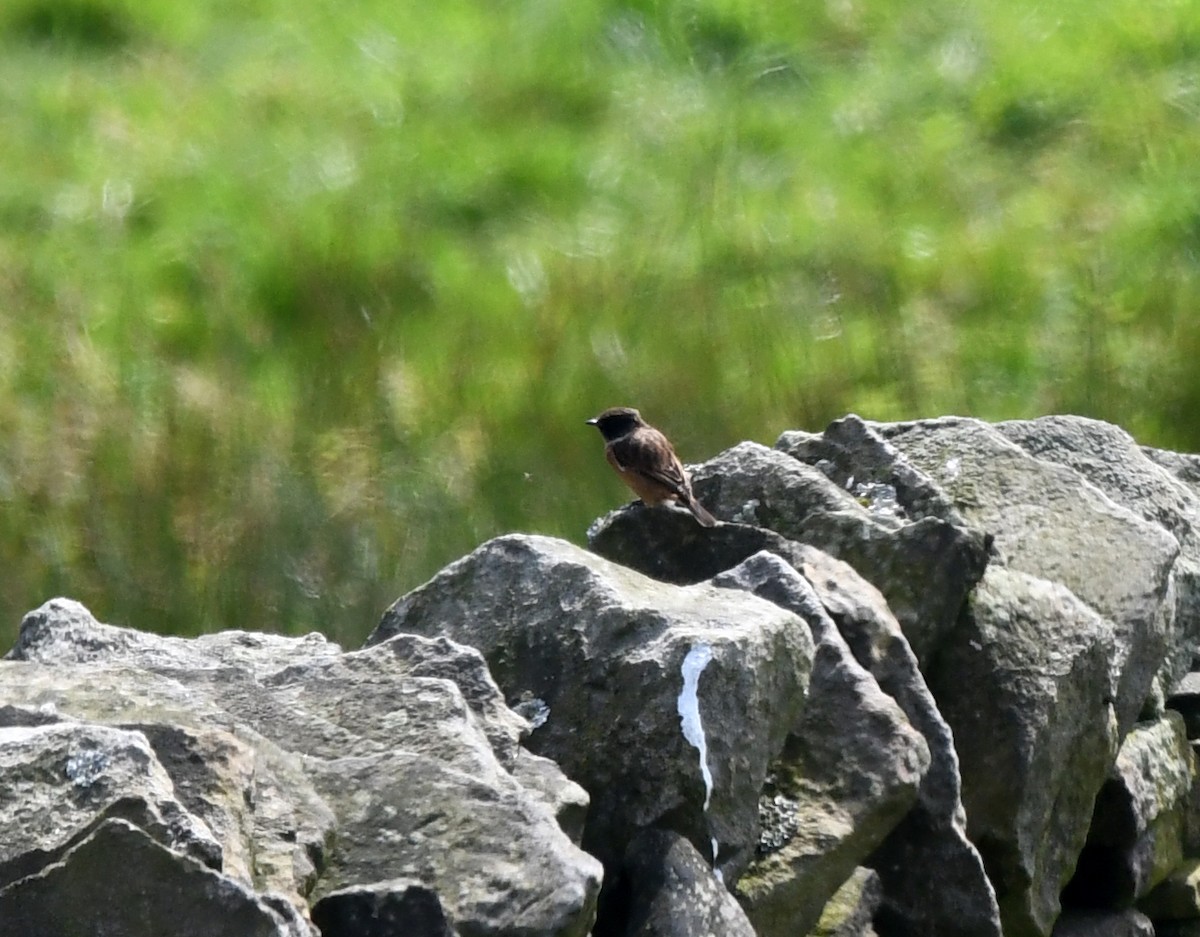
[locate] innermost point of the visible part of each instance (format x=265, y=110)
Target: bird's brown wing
x=648, y=453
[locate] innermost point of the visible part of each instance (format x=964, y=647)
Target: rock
x=58, y=782
x=924, y=567
x=1108, y=457
x=492, y=855
x=79, y=893
x=933, y=833
x=1051, y=523
x=672, y=891
x=1137, y=833
x=1079, y=923
x=849, y=772
x=565, y=799
x=277, y=748
x=671, y=547
x=1025, y=685
x=272, y=826
x=1177, y=897
x=62, y=631
x=888, y=693
x=850, y=911
x=604, y=648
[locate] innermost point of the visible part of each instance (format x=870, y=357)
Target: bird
x=646, y=462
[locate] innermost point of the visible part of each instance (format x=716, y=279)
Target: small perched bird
x=644, y=459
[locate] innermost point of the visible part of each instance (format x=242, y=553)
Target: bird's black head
x=615, y=422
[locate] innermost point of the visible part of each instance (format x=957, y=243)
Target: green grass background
x=301, y=300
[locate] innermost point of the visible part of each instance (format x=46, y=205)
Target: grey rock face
x=80, y=894
x=1177, y=897
x=63, y=631
x=1026, y=688
x=913, y=686
x=406, y=816
x=849, y=772
x=1108, y=457
x=1051, y=523
x=673, y=892
x=604, y=648
x=932, y=834
x=1137, y=834
x=924, y=566
x=853, y=907
x=58, y=782
x=276, y=750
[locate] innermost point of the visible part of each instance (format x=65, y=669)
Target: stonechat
x=646, y=462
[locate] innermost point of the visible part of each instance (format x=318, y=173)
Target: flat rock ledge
x=927, y=679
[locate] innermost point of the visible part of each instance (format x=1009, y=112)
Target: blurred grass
x=300, y=301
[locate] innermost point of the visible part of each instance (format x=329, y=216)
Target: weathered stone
x=671, y=547
x=492, y=854
x=849, y=772
x=1026, y=687
x=1137, y=833
x=851, y=910
x=672, y=891
x=272, y=826
x=1177, y=897
x=604, y=648
x=113, y=882
x=854, y=454
x=924, y=567
x=1108, y=457
x=62, y=631
x=59, y=782
x=245, y=732
x=933, y=833
x=1051, y=523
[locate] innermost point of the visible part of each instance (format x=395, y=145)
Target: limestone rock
x=1177, y=897
x=674, y=893
x=157, y=891
x=62, y=631
x=849, y=772
x=493, y=855
x=670, y=545
x=58, y=782
x=924, y=566
x=1026, y=687
x=852, y=908
x=1049, y=522
x=276, y=748
x=1108, y=457
x=1137, y=834
x=933, y=833
x=604, y=648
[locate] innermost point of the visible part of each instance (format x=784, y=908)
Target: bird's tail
x=701, y=515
